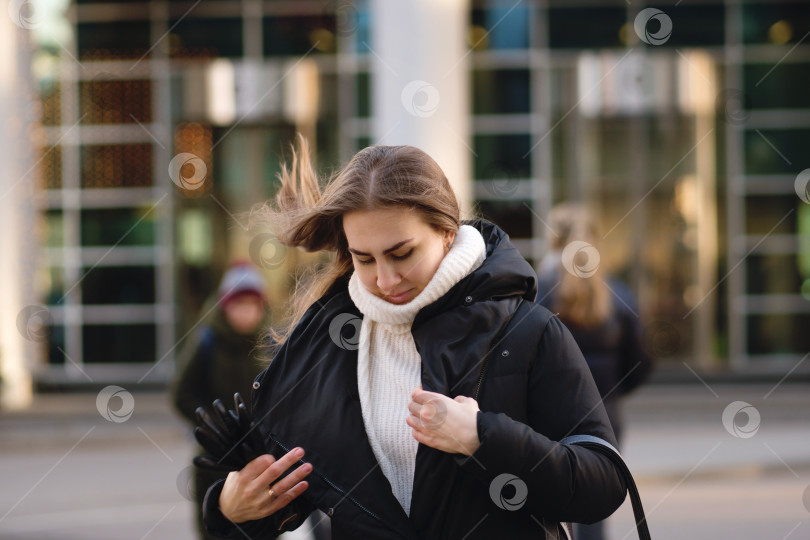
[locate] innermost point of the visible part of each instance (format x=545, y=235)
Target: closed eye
x=396, y=257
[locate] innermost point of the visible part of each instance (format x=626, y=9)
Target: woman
x=409, y=408
x=599, y=311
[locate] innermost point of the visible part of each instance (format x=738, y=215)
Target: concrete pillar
x=420, y=83
x=20, y=329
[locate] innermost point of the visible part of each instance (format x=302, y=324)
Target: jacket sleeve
x=188, y=388
x=287, y=519
x=564, y=483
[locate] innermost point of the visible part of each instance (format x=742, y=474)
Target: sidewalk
x=671, y=430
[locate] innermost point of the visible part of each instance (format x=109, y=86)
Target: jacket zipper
x=480, y=377
x=334, y=486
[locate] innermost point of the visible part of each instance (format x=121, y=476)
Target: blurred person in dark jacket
x=221, y=358
x=599, y=310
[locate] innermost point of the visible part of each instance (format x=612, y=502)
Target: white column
x=16, y=238
x=420, y=83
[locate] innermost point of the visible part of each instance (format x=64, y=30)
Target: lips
x=399, y=298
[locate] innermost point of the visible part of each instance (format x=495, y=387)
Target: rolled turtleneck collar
x=466, y=254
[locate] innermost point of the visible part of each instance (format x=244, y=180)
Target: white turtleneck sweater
x=389, y=367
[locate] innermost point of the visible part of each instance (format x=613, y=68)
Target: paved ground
x=68, y=473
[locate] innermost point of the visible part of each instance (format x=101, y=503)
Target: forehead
x=379, y=229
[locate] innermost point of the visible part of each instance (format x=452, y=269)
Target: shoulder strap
x=606, y=449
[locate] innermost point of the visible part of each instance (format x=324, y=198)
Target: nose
x=387, y=278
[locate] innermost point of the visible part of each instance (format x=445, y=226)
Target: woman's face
x=394, y=251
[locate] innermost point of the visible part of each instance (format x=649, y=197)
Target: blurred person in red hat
x=222, y=358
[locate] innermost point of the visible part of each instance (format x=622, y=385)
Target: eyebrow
x=386, y=252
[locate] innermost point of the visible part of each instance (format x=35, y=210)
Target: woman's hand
x=246, y=493
x=443, y=423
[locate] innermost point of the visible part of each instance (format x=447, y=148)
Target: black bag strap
x=606, y=449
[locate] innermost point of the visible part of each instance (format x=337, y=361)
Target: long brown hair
x=376, y=177
x=581, y=298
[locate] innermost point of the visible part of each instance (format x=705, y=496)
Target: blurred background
x=136, y=133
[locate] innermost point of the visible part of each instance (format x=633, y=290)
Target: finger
x=206, y=422
x=288, y=496
x=256, y=467
x=421, y=396
x=277, y=469
x=414, y=408
x=225, y=417
x=292, y=479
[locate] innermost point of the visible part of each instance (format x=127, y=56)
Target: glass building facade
x=687, y=149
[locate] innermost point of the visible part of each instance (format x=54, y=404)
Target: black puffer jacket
x=536, y=389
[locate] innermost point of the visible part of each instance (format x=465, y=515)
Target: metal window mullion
x=160, y=73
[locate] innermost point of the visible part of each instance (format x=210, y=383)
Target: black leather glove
x=233, y=440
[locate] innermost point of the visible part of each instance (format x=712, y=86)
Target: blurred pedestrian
x=599, y=310
x=220, y=360
x=418, y=392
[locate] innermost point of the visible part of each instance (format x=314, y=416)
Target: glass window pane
x=118, y=343
x=501, y=26
x=110, y=101
x=116, y=165
x=297, y=35
x=363, y=95
x=502, y=151
x=779, y=333
x=50, y=166
x=52, y=285
x=121, y=226
x=514, y=217
x=121, y=39
x=769, y=88
x=773, y=274
x=776, y=151
x=772, y=22
x=764, y=212
x=52, y=229
x=118, y=285
x=594, y=27
x=502, y=91
x=693, y=25
x=56, y=341
x=206, y=37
